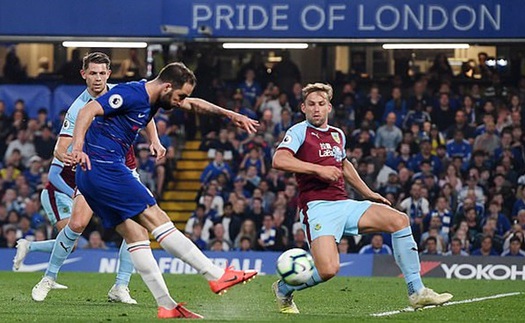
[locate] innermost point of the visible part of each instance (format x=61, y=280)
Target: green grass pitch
x=339, y=300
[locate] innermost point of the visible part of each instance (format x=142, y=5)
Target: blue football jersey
x=126, y=111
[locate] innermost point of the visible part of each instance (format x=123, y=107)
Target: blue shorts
x=332, y=218
x=57, y=205
x=113, y=193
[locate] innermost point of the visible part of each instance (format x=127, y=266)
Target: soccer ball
x=295, y=266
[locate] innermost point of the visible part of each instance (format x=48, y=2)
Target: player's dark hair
x=95, y=58
x=177, y=74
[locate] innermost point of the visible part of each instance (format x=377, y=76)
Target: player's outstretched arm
x=205, y=107
x=353, y=178
x=155, y=148
x=84, y=120
x=283, y=159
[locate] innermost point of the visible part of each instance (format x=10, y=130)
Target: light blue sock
x=125, y=267
x=63, y=246
x=287, y=290
x=44, y=246
x=407, y=258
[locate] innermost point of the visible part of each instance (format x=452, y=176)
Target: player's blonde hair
x=318, y=87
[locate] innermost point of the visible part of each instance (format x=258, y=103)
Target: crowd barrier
x=352, y=265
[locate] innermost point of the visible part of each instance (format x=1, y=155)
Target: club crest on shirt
x=115, y=101
x=336, y=137
x=287, y=139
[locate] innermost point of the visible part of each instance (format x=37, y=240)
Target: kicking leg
x=177, y=244
x=143, y=260
x=383, y=218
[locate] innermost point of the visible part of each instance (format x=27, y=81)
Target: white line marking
x=471, y=300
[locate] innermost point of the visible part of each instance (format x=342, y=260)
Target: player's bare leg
x=326, y=259
x=139, y=247
x=178, y=245
x=382, y=218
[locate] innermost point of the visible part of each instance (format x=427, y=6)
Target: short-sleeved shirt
x=324, y=147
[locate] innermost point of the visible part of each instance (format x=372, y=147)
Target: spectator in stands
x=33, y=173
x=443, y=212
x=248, y=231
x=425, y=153
x=486, y=248
x=244, y=245
x=5, y=128
x=14, y=72
x=417, y=207
x=217, y=203
x=389, y=135
x=286, y=73
x=488, y=141
x=250, y=88
x=211, y=144
x=95, y=241
x=285, y=124
x=133, y=67
x=146, y=168
x=238, y=192
x=44, y=144
x=396, y=105
x=254, y=158
x=9, y=236
x=196, y=236
x=460, y=123
x=24, y=229
x=343, y=246
x=519, y=205
x=270, y=237
x=216, y=167
x=376, y=247
x=299, y=241
x=69, y=71
x=277, y=106
x=459, y=147
x=24, y=145
x=514, y=249
x=472, y=188
x=430, y=247
x=219, y=237
x=456, y=249
x=416, y=116
x=452, y=177
x=199, y=216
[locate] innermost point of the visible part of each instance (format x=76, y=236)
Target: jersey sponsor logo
x=115, y=101
x=66, y=124
x=336, y=137
x=287, y=139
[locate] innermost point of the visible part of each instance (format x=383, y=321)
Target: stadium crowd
x=447, y=150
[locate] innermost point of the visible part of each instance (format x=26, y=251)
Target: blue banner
x=106, y=262
x=294, y=19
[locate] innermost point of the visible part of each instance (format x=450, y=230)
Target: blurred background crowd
x=446, y=149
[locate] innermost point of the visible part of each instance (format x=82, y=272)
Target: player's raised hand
x=376, y=197
x=157, y=150
x=81, y=158
x=330, y=173
x=245, y=123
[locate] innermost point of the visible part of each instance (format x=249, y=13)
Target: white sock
x=178, y=245
x=148, y=269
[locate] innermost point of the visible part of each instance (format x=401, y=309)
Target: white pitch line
x=471, y=300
